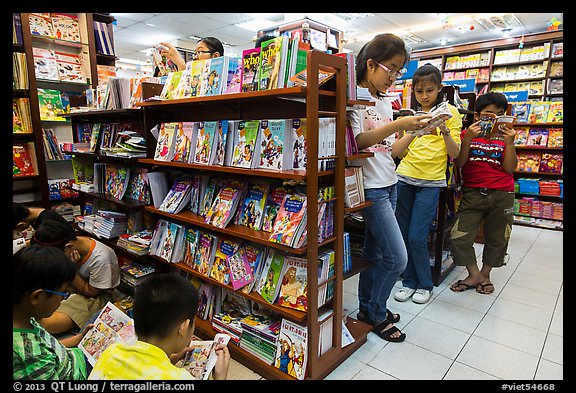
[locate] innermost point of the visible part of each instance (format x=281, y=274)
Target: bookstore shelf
x=309, y=102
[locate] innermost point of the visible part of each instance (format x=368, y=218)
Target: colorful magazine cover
x=224, y=249
x=252, y=211
x=272, y=58
x=250, y=69
x=240, y=271
x=246, y=143
x=293, y=285
x=139, y=186
x=292, y=349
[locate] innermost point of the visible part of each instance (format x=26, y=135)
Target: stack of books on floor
x=138, y=243
x=109, y=224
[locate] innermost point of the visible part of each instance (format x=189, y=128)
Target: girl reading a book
x=421, y=176
x=378, y=64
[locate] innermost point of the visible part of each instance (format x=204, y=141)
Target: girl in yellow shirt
x=421, y=176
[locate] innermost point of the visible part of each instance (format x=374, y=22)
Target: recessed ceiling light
x=151, y=25
x=256, y=24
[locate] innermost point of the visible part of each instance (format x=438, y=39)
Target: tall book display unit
x=310, y=102
x=80, y=46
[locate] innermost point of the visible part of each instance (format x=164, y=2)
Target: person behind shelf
x=487, y=164
x=421, y=177
x=164, y=313
x=378, y=64
x=41, y=276
x=206, y=48
x=260, y=40
x=98, y=274
x=27, y=219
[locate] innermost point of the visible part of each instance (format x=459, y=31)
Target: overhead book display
x=245, y=201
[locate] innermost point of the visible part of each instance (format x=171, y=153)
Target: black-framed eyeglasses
x=65, y=295
x=196, y=53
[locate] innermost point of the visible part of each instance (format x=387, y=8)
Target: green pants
x=496, y=208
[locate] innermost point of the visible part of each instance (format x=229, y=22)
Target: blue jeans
x=384, y=247
x=417, y=208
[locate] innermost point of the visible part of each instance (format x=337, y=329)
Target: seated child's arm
x=220, y=370
x=84, y=288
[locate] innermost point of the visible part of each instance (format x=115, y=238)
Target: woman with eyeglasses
x=378, y=65
x=206, y=48
x=40, y=275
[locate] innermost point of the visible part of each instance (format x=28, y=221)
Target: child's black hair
x=40, y=267
x=19, y=213
x=214, y=44
x=260, y=40
x=54, y=233
x=162, y=302
x=432, y=73
x=491, y=98
x=380, y=48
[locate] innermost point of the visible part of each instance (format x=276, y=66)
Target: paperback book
x=240, y=270
x=292, y=349
x=252, y=210
x=224, y=249
x=251, y=69
x=205, y=252
x=268, y=284
x=166, y=142
x=275, y=143
x=206, y=143
x=200, y=361
x=290, y=221
x=273, y=55
x=224, y=206
x=246, y=144
x=293, y=286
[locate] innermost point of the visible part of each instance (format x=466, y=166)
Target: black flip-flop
x=460, y=283
x=483, y=286
x=379, y=329
x=390, y=316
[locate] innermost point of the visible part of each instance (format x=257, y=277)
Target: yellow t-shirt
x=426, y=156
x=140, y=361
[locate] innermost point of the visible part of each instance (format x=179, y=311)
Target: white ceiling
x=134, y=32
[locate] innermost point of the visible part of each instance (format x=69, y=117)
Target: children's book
x=290, y=221
x=555, y=112
x=557, y=69
x=299, y=143
x=256, y=254
x=275, y=145
x=171, y=85
x=183, y=90
x=191, y=237
x=240, y=270
x=221, y=140
x=247, y=143
x=521, y=111
x=200, y=361
x=231, y=141
x=83, y=168
x=111, y=326
x=166, y=142
x=224, y=206
x=50, y=105
x=117, y=178
x=539, y=112
x=555, y=137
x=521, y=138
x=293, y=284
x=70, y=67
x=224, y=249
x=528, y=161
x=252, y=209
x=205, y=252
x=196, y=69
x=207, y=292
x=234, y=82
x=183, y=143
x=537, y=137
x=41, y=24
x=139, y=186
x=250, y=69
x=273, y=202
x=205, y=150
x=273, y=55
x=178, y=196
x=551, y=162
x=65, y=27
x=23, y=159
x=292, y=349
x=490, y=124
x=195, y=193
x=268, y=285
x=209, y=187
x=214, y=81
x=45, y=65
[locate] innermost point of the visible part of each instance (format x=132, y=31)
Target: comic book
x=235, y=68
x=50, y=105
x=275, y=144
x=239, y=267
x=521, y=138
x=292, y=349
x=252, y=209
x=23, y=160
x=250, y=69
x=214, y=81
x=256, y=254
x=221, y=141
x=273, y=54
x=205, y=252
x=117, y=178
x=224, y=249
x=171, y=85
x=290, y=221
x=178, y=196
x=247, y=143
x=555, y=112
x=205, y=142
x=293, y=285
x=299, y=145
x=191, y=237
x=224, y=205
x=139, y=186
x=537, y=137
x=111, y=326
x=268, y=285
x=555, y=137
x=197, y=68
x=273, y=202
x=185, y=132
x=166, y=142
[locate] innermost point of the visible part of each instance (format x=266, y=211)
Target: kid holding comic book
x=421, y=177
x=164, y=312
x=378, y=64
x=488, y=164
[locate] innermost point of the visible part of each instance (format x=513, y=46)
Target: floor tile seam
x=474, y=368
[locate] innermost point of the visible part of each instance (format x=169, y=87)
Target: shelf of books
x=247, y=195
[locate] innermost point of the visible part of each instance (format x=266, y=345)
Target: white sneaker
x=404, y=294
x=421, y=296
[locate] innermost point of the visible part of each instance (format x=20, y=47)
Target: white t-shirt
x=380, y=170
x=101, y=269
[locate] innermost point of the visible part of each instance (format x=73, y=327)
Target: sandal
x=481, y=288
x=380, y=330
x=363, y=317
x=390, y=316
x=459, y=283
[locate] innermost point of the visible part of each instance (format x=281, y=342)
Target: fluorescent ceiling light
x=411, y=38
x=353, y=15
x=256, y=24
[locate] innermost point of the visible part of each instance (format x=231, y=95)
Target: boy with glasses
x=40, y=277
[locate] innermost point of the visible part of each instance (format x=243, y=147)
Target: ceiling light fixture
x=256, y=24
x=352, y=15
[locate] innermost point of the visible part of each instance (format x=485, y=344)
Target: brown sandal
x=481, y=288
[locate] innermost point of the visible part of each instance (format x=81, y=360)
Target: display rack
x=310, y=102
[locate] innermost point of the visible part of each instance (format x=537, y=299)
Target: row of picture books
x=59, y=26
x=532, y=207
x=538, y=111
x=21, y=116
x=53, y=103
x=540, y=162
x=276, y=144
x=19, y=71
x=120, y=139
x=536, y=88
x=528, y=53
x=269, y=207
x=55, y=65
x=543, y=137
x=523, y=71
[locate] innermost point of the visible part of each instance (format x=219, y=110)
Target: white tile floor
x=515, y=333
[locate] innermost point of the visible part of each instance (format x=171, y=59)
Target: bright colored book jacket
x=268, y=284
x=273, y=203
x=45, y=65
x=245, y=144
x=50, y=104
x=299, y=143
x=224, y=249
x=191, y=237
x=253, y=206
x=214, y=80
x=117, y=178
x=250, y=69
x=205, y=149
x=234, y=83
x=139, y=186
x=273, y=152
x=41, y=24
x=171, y=86
x=293, y=285
x=272, y=55
x=290, y=215
x=178, y=195
x=240, y=271
x=70, y=67
x=205, y=253
x=182, y=144
x=22, y=160
x=292, y=349
x=65, y=27
x=197, y=68
x=166, y=140
x=221, y=142
x=224, y=206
